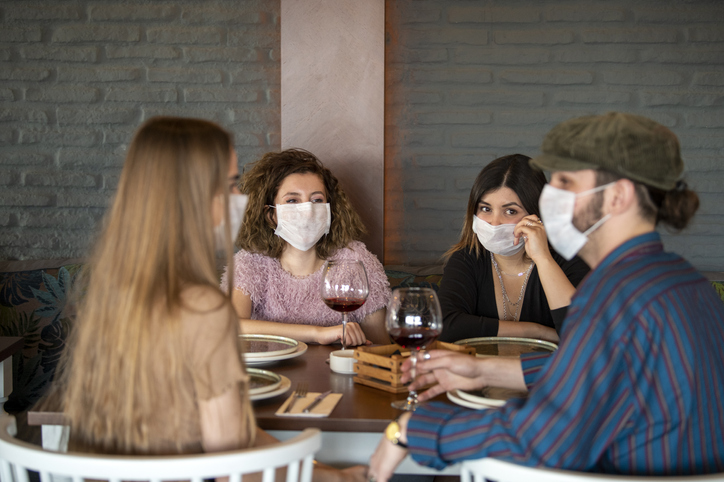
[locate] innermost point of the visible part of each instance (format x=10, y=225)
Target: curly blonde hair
x=261, y=182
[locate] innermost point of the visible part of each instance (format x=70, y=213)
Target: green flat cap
x=632, y=146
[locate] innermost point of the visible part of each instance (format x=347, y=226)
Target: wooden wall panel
x=332, y=96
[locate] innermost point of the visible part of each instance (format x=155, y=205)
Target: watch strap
x=393, y=434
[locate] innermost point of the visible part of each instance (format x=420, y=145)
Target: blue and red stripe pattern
x=636, y=386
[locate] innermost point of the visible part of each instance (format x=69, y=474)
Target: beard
x=591, y=214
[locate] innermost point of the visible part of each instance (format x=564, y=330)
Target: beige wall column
x=332, y=95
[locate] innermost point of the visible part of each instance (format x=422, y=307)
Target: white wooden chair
x=484, y=469
x=17, y=457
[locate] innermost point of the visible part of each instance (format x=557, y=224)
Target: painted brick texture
x=467, y=82
x=78, y=77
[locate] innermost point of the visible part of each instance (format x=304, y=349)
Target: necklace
x=506, y=300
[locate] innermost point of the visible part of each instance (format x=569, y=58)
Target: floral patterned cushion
x=33, y=305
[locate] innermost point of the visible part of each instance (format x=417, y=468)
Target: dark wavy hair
x=261, y=182
x=512, y=171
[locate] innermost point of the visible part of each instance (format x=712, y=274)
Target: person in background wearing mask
x=635, y=385
x=501, y=278
x=298, y=217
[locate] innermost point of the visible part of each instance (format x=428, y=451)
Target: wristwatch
x=393, y=434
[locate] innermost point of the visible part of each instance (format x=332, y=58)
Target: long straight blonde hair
x=158, y=239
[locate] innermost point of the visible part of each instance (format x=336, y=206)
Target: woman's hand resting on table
x=326, y=335
x=447, y=370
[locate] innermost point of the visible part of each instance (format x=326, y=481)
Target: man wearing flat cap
x=637, y=383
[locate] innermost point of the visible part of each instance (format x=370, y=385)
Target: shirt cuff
x=423, y=433
x=532, y=363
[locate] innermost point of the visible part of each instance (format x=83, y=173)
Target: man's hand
x=388, y=456
x=448, y=370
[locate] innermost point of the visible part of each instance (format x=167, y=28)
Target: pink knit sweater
x=277, y=295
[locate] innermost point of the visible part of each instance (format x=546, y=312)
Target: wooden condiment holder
x=379, y=366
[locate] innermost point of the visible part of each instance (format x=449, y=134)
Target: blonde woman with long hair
x=153, y=364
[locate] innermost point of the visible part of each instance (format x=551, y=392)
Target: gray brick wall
x=78, y=77
x=468, y=81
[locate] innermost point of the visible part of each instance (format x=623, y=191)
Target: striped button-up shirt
x=636, y=386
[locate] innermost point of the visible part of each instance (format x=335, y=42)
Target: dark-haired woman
x=502, y=278
x=297, y=218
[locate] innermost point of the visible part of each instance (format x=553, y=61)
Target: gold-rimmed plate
x=507, y=346
x=263, y=346
x=283, y=388
x=491, y=396
x=268, y=360
x=261, y=381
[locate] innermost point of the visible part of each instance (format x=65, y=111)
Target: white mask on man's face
x=237, y=207
x=496, y=239
x=303, y=224
x=556, y=212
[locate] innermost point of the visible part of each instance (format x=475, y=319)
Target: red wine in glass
x=344, y=288
x=414, y=320
x=416, y=338
x=344, y=305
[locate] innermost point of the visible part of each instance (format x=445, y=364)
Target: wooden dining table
x=349, y=434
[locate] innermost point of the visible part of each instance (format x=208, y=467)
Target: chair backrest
x=500, y=471
x=295, y=455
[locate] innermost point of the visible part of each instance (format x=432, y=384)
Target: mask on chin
x=237, y=207
x=497, y=239
x=303, y=224
x=556, y=211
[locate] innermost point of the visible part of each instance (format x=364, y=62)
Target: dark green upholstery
x=33, y=304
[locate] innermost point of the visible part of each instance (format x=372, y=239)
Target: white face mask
x=496, y=239
x=237, y=207
x=303, y=224
x=556, y=211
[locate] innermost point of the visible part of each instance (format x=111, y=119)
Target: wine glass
x=344, y=288
x=414, y=320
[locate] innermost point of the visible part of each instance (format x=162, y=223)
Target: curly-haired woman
x=297, y=218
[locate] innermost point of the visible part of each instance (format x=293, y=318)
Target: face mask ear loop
x=603, y=219
x=595, y=189
x=269, y=217
x=597, y=224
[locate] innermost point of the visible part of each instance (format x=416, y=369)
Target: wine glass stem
x=344, y=330
x=412, y=397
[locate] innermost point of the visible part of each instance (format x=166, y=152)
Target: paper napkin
x=324, y=408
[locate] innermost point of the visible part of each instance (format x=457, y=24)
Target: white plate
x=454, y=397
x=263, y=381
x=284, y=387
x=491, y=396
x=261, y=346
x=268, y=360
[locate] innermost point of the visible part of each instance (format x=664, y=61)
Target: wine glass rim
x=413, y=288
